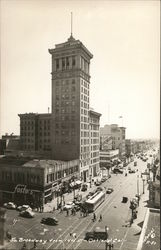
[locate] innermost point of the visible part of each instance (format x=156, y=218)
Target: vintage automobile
x=84, y=187
x=27, y=214
x=49, y=221
x=24, y=208
x=9, y=205
x=97, y=234
x=109, y=190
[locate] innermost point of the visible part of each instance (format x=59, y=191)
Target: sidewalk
x=48, y=207
x=133, y=233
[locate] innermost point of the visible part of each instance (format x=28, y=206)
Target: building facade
x=71, y=131
x=118, y=135
x=35, y=132
x=34, y=182
x=94, y=121
x=70, y=103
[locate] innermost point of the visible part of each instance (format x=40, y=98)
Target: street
x=70, y=231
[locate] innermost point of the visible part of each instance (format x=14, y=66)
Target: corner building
x=70, y=103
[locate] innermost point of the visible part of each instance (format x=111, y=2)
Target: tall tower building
x=70, y=102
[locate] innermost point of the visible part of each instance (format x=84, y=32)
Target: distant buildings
x=8, y=143
x=113, y=135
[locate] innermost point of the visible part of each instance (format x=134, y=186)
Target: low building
x=9, y=143
x=118, y=137
x=107, y=158
x=34, y=181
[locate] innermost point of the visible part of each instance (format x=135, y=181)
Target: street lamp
x=143, y=183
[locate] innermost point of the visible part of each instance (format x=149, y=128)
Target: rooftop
x=34, y=163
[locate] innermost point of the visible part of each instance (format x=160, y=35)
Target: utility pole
x=138, y=185
x=143, y=186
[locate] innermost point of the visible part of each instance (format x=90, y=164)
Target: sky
x=124, y=38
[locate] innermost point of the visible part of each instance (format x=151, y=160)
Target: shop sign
x=21, y=189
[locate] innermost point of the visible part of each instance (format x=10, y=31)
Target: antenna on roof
x=71, y=23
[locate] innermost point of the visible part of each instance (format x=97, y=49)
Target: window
x=63, y=63
x=57, y=64
x=73, y=61
x=67, y=62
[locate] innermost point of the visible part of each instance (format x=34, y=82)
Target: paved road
x=115, y=216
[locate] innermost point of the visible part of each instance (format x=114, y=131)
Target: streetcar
x=94, y=201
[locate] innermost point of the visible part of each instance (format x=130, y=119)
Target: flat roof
x=33, y=163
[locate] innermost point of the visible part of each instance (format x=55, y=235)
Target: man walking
x=100, y=219
x=94, y=217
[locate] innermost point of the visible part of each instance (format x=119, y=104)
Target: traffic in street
x=112, y=216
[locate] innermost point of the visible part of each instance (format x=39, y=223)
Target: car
x=99, y=189
x=49, y=221
x=131, y=171
x=118, y=170
x=9, y=205
x=124, y=199
x=84, y=187
x=24, y=208
x=109, y=190
x=97, y=183
x=103, y=179
x=96, y=234
x=68, y=205
x=27, y=214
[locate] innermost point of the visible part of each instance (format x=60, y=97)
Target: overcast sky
x=124, y=38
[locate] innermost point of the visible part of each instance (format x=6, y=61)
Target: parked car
x=27, y=214
x=109, y=190
x=118, y=170
x=97, y=183
x=132, y=171
x=24, y=208
x=84, y=187
x=124, y=199
x=96, y=234
x=99, y=189
x=9, y=205
x=49, y=221
x=103, y=179
x=68, y=205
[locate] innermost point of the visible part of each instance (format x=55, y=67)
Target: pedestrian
x=67, y=212
x=42, y=208
x=94, y=217
x=100, y=219
x=131, y=221
x=110, y=246
x=35, y=246
x=24, y=246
